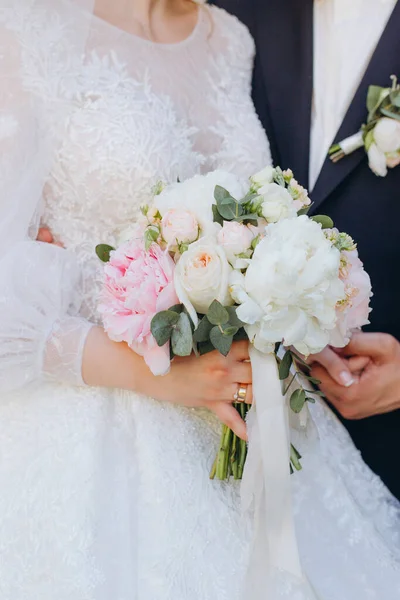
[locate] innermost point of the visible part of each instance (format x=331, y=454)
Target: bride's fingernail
x=346, y=378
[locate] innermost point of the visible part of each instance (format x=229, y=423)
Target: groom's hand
x=377, y=387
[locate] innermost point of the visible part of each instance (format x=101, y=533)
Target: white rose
x=235, y=238
x=291, y=288
x=387, y=135
x=277, y=203
x=377, y=161
x=179, y=227
x=262, y=177
x=197, y=195
x=201, y=276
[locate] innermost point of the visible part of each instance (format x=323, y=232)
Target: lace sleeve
x=41, y=334
x=245, y=148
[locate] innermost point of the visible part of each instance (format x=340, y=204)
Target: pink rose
x=235, y=238
x=179, y=227
x=137, y=285
x=354, y=310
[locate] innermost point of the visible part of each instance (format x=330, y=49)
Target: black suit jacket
x=360, y=203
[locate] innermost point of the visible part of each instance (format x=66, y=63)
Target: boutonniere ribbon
x=380, y=135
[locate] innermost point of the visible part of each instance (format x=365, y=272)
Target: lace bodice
x=140, y=112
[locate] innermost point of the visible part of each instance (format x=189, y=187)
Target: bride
x=105, y=493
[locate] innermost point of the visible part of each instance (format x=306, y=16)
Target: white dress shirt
x=346, y=33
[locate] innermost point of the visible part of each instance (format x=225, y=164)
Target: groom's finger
x=374, y=345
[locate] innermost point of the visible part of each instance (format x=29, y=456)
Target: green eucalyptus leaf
x=230, y=209
x=297, y=400
x=202, y=333
x=325, y=221
x=217, y=218
x=177, y=308
x=310, y=400
x=220, y=194
x=304, y=211
x=162, y=326
x=181, y=339
x=103, y=252
x=230, y=331
x=205, y=348
x=250, y=217
x=221, y=342
x=285, y=364
x=241, y=336
x=217, y=314
x=233, y=318
x=295, y=458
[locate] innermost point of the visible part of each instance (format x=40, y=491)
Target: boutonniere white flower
x=380, y=136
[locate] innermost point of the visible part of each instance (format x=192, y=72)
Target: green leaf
x=374, y=97
x=217, y=314
x=297, y=400
x=205, y=348
x=230, y=209
x=181, y=339
x=279, y=178
x=250, y=217
x=221, y=194
x=310, y=400
x=390, y=114
x=162, y=326
x=202, y=333
x=103, y=252
x=304, y=211
x=395, y=98
x=295, y=457
x=177, y=308
x=221, y=342
x=217, y=218
x=325, y=221
x=230, y=331
x=233, y=318
x=241, y=336
x=150, y=236
x=284, y=367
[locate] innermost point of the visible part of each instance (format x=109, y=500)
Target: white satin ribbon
x=266, y=487
x=352, y=143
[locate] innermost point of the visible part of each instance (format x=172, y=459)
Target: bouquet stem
x=232, y=453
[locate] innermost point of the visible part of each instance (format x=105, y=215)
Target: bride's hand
x=210, y=381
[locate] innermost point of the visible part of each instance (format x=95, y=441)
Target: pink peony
x=137, y=285
x=354, y=310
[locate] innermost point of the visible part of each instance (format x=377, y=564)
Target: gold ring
x=240, y=394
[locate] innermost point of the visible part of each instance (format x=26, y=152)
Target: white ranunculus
x=291, y=288
x=277, y=203
x=262, y=177
x=377, y=160
x=179, y=227
x=235, y=238
x=201, y=276
x=387, y=135
x=197, y=196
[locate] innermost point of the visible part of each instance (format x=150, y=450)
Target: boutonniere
x=380, y=136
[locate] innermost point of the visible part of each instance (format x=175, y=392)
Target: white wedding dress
x=104, y=494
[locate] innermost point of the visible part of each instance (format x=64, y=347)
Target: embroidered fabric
x=105, y=494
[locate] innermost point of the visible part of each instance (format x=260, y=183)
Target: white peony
x=377, y=160
x=235, y=238
x=277, y=203
x=387, y=135
x=291, y=288
x=201, y=276
x=262, y=178
x=197, y=196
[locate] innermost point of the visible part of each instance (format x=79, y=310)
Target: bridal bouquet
x=215, y=259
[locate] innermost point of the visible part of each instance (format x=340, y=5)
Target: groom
x=315, y=61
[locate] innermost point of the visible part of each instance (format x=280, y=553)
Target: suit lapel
x=385, y=62
x=285, y=48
